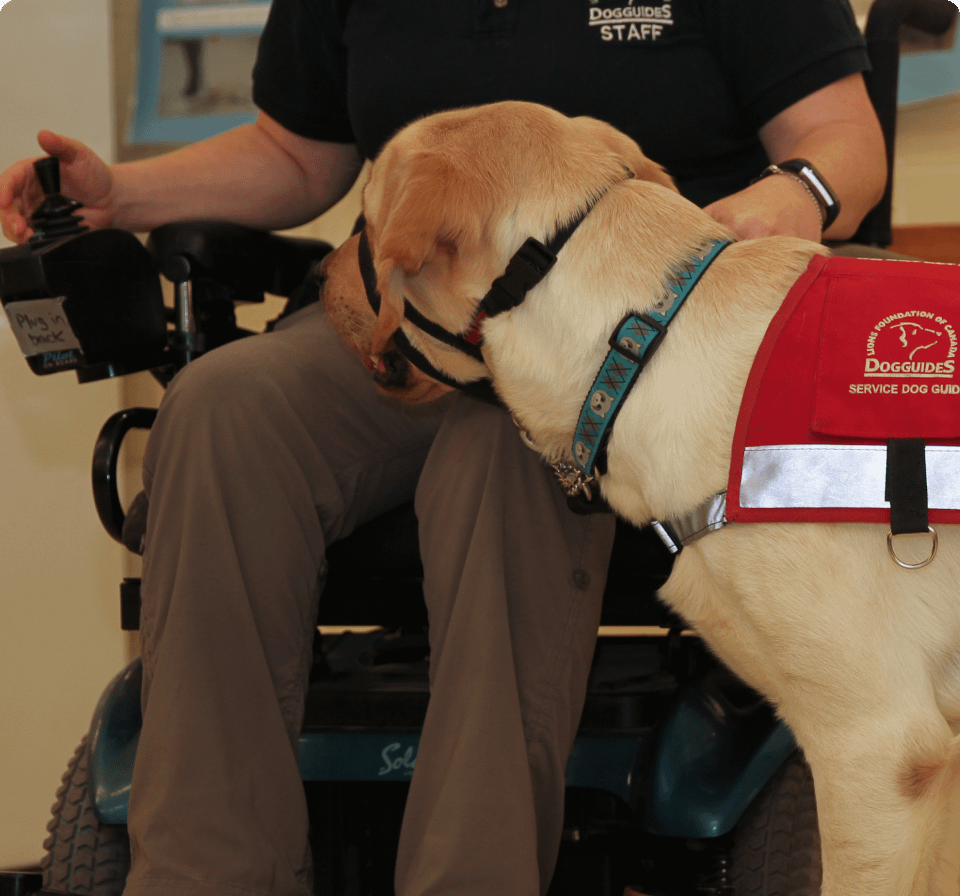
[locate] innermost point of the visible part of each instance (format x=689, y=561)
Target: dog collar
x=632, y=345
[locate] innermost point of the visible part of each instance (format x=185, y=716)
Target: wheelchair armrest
x=249, y=262
x=106, y=453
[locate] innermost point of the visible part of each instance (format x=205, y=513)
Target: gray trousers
x=264, y=452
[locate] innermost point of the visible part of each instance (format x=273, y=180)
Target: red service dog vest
x=861, y=351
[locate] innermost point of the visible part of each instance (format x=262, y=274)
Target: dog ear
x=647, y=169
x=632, y=158
x=433, y=215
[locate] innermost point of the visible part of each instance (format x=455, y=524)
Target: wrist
x=820, y=192
x=126, y=204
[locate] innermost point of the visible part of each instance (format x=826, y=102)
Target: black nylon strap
x=906, y=486
x=439, y=333
x=369, y=276
x=367, y=272
x=531, y=263
x=526, y=269
x=482, y=389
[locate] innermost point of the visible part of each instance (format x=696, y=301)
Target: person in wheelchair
x=269, y=449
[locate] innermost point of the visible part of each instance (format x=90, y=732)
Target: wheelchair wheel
x=776, y=845
x=83, y=856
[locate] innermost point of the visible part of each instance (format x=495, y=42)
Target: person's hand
x=778, y=205
x=84, y=176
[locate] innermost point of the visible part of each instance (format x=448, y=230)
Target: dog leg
x=886, y=804
x=945, y=876
x=864, y=708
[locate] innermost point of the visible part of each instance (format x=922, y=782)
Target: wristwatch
x=815, y=184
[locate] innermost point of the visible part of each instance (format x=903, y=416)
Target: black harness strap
x=529, y=265
x=906, y=486
x=463, y=344
x=482, y=389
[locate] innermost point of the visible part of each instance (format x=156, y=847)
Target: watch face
x=818, y=186
x=817, y=183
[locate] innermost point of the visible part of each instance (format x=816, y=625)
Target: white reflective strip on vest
x=838, y=476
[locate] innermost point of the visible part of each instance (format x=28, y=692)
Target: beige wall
x=59, y=626
x=927, y=164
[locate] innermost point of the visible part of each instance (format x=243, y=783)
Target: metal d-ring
x=933, y=551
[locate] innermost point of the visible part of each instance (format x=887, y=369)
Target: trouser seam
x=540, y=729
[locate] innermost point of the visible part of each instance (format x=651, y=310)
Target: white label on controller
x=40, y=325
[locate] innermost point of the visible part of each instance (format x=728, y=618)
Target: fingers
x=84, y=177
x=20, y=191
x=66, y=150
x=19, y=195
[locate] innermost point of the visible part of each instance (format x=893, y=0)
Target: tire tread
x=776, y=850
x=83, y=856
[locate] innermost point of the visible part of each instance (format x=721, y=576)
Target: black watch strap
x=815, y=183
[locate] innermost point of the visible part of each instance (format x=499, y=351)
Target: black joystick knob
x=55, y=218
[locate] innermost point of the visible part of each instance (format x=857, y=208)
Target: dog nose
x=393, y=371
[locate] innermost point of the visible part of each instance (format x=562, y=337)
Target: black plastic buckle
x=640, y=360
x=531, y=263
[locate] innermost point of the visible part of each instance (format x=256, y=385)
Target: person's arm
x=260, y=174
x=835, y=129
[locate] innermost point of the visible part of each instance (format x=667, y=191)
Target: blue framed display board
x=196, y=57
x=931, y=74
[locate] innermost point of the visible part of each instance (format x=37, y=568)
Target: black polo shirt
x=690, y=80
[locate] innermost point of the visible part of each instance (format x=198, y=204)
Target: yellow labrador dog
x=860, y=657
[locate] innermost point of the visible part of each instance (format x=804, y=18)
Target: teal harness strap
x=632, y=344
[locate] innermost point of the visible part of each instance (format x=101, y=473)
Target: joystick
x=56, y=216
x=81, y=299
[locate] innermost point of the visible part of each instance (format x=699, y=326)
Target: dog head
x=344, y=296
x=453, y=195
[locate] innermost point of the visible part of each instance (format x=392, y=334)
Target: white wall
x=59, y=608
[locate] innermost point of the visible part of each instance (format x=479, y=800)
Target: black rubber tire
x=776, y=845
x=83, y=856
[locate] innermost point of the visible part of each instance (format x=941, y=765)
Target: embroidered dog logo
x=911, y=345
x=915, y=338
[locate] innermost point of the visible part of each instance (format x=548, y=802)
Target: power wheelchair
x=681, y=780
